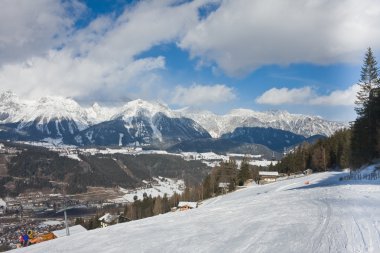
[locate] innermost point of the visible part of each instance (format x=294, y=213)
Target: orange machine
x=42, y=238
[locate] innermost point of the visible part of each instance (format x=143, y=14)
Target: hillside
x=38, y=168
x=328, y=215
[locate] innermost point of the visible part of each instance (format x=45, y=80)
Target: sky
x=303, y=56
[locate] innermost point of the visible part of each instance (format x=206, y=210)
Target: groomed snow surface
x=326, y=215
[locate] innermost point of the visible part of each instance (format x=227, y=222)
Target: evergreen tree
x=244, y=172
x=369, y=79
x=364, y=140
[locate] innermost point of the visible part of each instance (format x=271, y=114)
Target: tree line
x=324, y=154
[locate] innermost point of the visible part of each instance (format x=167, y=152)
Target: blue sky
x=300, y=56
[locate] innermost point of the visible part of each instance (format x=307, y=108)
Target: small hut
x=268, y=176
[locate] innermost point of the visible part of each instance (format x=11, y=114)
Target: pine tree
x=364, y=130
x=244, y=172
x=369, y=79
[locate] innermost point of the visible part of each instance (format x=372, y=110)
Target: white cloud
x=339, y=97
x=30, y=28
x=198, y=95
x=280, y=96
x=308, y=96
x=242, y=35
x=97, y=57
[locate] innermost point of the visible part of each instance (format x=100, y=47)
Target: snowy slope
x=288, y=216
x=305, y=125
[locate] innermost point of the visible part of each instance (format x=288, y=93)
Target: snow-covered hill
x=327, y=215
x=305, y=125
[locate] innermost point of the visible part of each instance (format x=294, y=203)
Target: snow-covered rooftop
x=268, y=173
x=189, y=204
x=108, y=218
x=2, y=202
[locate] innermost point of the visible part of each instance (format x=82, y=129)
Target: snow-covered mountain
x=138, y=120
x=143, y=122
x=305, y=125
x=52, y=117
x=275, y=139
x=46, y=109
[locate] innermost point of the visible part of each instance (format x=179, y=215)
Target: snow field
x=159, y=187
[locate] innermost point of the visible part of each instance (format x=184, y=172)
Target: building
x=108, y=219
x=224, y=187
x=308, y=172
x=183, y=206
x=268, y=176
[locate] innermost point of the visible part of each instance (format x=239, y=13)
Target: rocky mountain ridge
x=138, y=121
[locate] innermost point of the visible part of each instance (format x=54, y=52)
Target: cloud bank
x=308, y=96
x=63, y=60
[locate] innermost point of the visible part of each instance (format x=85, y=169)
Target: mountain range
x=150, y=123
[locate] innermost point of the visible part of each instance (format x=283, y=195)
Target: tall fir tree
x=364, y=130
x=369, y=79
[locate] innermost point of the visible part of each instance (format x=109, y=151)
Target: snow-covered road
x=327, y=215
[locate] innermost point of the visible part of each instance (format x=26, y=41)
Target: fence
x=358, y=176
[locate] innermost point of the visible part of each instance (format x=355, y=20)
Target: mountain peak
x=143, y=107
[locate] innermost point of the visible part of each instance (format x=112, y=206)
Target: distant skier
x=25, y=237
x=21, y=240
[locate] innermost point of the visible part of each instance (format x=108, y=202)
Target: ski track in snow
x=326, y=215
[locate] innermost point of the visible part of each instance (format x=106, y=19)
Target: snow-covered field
x=326, y=215
x=158, y=187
